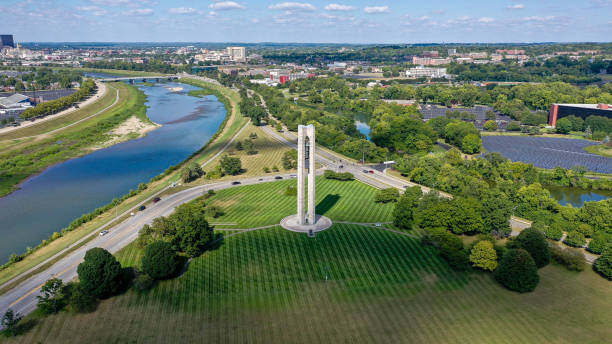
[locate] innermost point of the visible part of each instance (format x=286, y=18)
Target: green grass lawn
x=266, y=204
x=350, y=284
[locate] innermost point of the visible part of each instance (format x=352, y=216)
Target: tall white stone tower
x=306, y=165
x=306, y=220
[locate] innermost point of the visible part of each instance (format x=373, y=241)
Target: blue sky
x=376, y=21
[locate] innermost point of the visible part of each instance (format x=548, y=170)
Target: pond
x=576, y=196
x=48, y=202
x=361, y=122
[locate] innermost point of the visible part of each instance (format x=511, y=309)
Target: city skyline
x=387, y=21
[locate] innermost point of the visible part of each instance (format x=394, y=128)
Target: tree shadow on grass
x=327, y=203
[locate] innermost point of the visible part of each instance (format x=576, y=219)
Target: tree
x=471, y=144
x=100, y=274
x=231, y=165
x=495, y=212
x=517, y=271
x=51, y=298
x=160, y=260
x=192, y=230
x=534, y=242
x=80, y=301
x=603, y=264
x=464, y=216
x=490, y=126
x=483, y=255
x=564, y=126
x=10, y=321
x=490, y=115
x=514, y=126
x=575, y=238
x=403, y=213
x=386, y=195
x=290, y=159
x=191, y=172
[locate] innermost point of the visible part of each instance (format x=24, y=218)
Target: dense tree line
x=153, y=65
x=48, y=108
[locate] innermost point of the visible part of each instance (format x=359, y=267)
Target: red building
x=583, y=111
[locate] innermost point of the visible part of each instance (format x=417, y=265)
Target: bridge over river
x=132, y=79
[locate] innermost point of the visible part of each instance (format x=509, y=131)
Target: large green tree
x=517, y=271
x=160, y=260
x=534, y=242
x=403, y=213
x=603, y=264
x=10, y=321
x=51, y=298
x=100, y=274
x=192, y=230
x=483, y=256
x=231, y=165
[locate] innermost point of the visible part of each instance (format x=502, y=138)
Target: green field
x=270, y=286
x=266, y=204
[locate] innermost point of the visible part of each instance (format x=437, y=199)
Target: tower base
x=291, y=223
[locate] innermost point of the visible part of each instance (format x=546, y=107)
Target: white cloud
x=127, y=3
x=95, y=10
x=292, y=6
x=515, y=7
x=423, y=18
x=486, y=20
x=539, y=18
x=376, y=9
x=182, y=10
x=339, y=7
x=138, y=12
x=227, y=5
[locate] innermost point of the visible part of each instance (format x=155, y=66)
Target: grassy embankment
x=349, y=284
x=602, y=150
x=24, y=159
x=230, y=127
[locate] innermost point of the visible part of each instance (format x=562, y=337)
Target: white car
x=104, y=232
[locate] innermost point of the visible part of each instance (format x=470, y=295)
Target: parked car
x=278, y=177
x=156, y=199
x=104, y=232
x=142, y=207
x=235, y=183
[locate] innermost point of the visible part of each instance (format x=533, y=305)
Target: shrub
x=514, y=126
x=598, y=243
x=564, y=126
x=291, y=191
x=100, y=274
x=471, y=144
x=585, y=229
x=80, y=301
x=603, y=264
x=534, y=242
x=275, y=168
x=160, y=260
x=490, y=125
x=575, y=239
x=191, y=172
x=230, y=165
x=143, y=282
x=386, y=195
x=266, y=169
x=329, y=174
x=214, y=211
x=517, y=271
x=483, y=256
x=554, y=232
x=571, y=258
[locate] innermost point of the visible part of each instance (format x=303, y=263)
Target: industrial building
x=429, y=61
x=426, y=72
x=11, y=107
x=283, y=75
x=583, y=111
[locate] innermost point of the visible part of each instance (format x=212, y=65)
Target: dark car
x=235, y=183
x=142, y=207
x=156, y=199
x=278, y=177
x=365, y=171
x=370, y=171
x=341, y=166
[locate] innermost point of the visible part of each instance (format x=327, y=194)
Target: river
x=48, y=202
x=576, y=196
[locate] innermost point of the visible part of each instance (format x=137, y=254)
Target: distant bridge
x=132, y=79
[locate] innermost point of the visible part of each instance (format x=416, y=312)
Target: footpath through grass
x=349, y=284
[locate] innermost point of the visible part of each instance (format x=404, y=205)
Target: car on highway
x=104, y=232
x=142, y=207
x=236, y=183
x=370, y=171
x=341, y=166
x=156, y=199
x=278, y=177
x=364, y=171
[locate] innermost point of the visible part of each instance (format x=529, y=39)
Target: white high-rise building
x=237, y=54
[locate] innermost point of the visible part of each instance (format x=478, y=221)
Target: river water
x=48, y=202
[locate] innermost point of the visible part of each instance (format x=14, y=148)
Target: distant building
x=238, y=54
x=452, y=52
x=16, y=100
x=510, y=51
x=283, y=75
x=558, y=111
x=428, y=61
x=431, y=53
x=6, y=41
x=464, y=60
x=425, y=72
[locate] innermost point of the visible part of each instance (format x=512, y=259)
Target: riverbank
x=132, y=128
x=27, y=159
x=45, y=256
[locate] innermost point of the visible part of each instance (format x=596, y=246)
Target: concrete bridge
x=132, y=79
